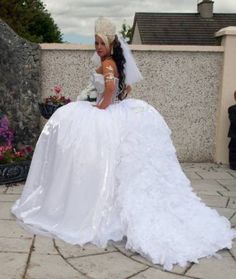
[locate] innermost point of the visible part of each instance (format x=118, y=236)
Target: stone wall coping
x=177, y=48
x=230, y=30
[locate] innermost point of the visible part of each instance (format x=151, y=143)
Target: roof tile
x=181, y=28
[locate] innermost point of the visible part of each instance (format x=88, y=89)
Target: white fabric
x=98, y=175
x=96, y=59
x=98, y=83
x=132, y=73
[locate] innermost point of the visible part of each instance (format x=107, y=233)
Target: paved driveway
x=26, y=256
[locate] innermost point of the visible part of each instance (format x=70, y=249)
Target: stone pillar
x=226, y=95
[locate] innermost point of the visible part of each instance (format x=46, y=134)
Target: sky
x=76, y=18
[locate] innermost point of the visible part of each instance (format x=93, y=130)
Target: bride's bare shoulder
x=109, y=65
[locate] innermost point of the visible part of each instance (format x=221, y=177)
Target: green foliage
x=30, y=20
x=126, y=32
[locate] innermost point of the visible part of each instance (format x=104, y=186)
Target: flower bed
x=14, y=163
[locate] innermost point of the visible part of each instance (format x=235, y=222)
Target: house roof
x=181, y=28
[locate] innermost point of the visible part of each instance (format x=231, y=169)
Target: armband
x=109, y=75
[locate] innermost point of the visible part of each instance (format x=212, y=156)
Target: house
x=181, y=28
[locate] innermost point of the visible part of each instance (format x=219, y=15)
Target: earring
x=111, y=50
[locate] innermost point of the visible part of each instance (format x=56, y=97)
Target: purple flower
x=5, y=132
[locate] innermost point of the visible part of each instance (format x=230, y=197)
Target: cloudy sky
x=76, y=18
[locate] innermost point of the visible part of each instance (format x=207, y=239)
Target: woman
x=106, y=171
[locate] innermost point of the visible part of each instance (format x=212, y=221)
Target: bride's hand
x=128, y=89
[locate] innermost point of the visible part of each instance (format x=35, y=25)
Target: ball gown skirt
x=99, y=175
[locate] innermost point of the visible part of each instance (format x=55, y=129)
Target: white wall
x=181, y=82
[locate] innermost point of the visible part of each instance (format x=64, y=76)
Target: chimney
x=205, y=8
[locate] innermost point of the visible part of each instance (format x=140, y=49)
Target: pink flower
x=57, y=98
x=57, y=89
x=29, y=149
x=5, y=148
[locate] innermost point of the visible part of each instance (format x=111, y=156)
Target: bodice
x=99, y=83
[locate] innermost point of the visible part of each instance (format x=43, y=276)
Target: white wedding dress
x=98, y=175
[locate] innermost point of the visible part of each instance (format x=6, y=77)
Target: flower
x=8, y=154
x=6, y=134
x=57, y=98
x=57, y=89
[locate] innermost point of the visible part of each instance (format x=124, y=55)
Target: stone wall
x=20, y=84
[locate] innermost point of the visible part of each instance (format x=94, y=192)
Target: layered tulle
x=98, y=175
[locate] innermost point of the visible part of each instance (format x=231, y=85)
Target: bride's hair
x=119, y=58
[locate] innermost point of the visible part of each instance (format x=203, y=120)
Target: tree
x=126, y=32
x=30, y=20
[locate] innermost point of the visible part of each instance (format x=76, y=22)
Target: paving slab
x=121, y=248
x=5, y=211
x=227, y=182
x=15, y=245
x=233, y=220
x=44, y=245
x=12, y=265
x=3, y=189
x=176, y=269
x=70, y=251
x=192, y=175
x=214, y=174
x=113, y=265
x=227, y=193
x=233, y=250
x=152, y=273
x=232, y=203
x=209, y=186
x=10, y=228
x=227, y=212
x=213, y=268
x=230, y=188
x=224, y=253
x=232, y=172
x=205, y=167
x=43, y=266
x=214, y=201
x=15, y=188
x=9, y=198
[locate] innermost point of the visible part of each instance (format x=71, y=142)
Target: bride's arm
x=109, y=84
x=128, y=89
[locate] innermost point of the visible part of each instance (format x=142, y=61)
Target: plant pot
x=47, y=110
x=14, y=172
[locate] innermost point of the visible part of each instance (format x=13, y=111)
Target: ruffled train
x=98, y=175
